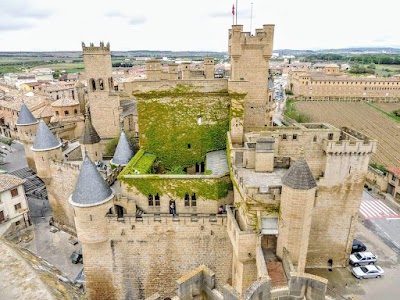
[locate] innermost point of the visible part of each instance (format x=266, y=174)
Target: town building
x=394, y=182
x=331, y=84
x=14, y=211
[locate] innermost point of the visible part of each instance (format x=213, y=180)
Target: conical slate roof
x=90, y=189
x=123, y=153
x=45, y=139
x=25, y=116
x=89, y=135
x=299, y=176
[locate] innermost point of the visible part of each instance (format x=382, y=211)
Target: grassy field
x=364, y=118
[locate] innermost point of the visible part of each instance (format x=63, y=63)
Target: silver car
x=371, y=271
x=362, y=258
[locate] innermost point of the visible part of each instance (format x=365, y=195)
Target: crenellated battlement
x=102, y=49
x=263, y=38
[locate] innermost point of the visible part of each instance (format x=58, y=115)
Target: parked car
x=371, y=271
x=358, y=246
x=362, y=258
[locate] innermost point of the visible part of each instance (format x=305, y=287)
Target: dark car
x=358, y=246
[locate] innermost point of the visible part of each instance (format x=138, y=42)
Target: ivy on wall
x=206, y=189
x=181, y=125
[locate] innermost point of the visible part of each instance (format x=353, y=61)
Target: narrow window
x=187, y=200
x=93, y=84
x=75, y=111
x=66, y=112
x=315, y=139
x=57, y=113
x=150, y=197
x=330, y=136
x=294, y=136
x=194, y=199
x=2, y=217
x=101, y=84
x=157, y=200
x=284, y=136
x=14, y=192
x=17, y=206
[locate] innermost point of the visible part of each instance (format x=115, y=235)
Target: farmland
x=363, y=118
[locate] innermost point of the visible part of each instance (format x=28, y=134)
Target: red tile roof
x=395, y=171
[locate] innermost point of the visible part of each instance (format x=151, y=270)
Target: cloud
x=132, y=20
x=21, y=9
x=115, y=14
x=8, y=26
x=137, y=20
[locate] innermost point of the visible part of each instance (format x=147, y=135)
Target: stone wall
x=148, y=255
x=59, y=189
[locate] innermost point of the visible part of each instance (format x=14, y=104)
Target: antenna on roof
x=251, y=17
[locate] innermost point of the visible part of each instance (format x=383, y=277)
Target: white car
x=371, y=271
x=362, y=258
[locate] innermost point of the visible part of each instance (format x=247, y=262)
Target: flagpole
x=251, y=17
x=233, y=14
x=236, y=12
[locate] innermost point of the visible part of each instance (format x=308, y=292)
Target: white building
x=13, y=205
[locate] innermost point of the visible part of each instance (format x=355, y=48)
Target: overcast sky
x=40, y=25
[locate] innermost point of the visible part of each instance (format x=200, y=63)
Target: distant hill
x=360, y=50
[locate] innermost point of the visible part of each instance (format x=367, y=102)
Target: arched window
x=75, y=111
x=93, y=84
x=66, y=112
x=101, y=84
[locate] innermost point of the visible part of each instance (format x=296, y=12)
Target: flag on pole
x=233, y=9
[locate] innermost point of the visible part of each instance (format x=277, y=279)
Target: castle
x=205, y=142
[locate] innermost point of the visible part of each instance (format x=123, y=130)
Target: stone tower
x=153, y=69
x=45, y=148
x=297, y=201
x=103, y=101
x=90, y=141
x=123, y=152
x=91, y=200
x=209, y=68
x=27, y=126
x=249, y=56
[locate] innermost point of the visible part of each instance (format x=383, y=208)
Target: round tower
x=123, y=152
x=45, y=148
x=297, y=202
x=91, y=200
x=90, y=141
x=27, y=126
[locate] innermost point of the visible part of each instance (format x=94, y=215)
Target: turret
x=153, y=69
x=45, y=148
x=249, y=57
x=209, y=68
x=90, y=141
x=27, y=126
x=123, y=152
x=297, y=202
x=91, y=200
x=104, y=103
x=185, y=70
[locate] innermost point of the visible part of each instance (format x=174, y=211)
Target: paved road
x=15, y=159
x=383, y=218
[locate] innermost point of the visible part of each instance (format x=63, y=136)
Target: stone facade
x=333, y=85
x=103, y=102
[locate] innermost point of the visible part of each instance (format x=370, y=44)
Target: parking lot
x=343, y=285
